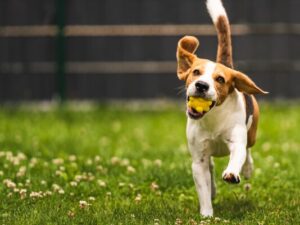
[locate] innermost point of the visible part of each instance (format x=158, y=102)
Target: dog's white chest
x=200, y=140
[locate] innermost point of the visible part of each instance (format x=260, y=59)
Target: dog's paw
x=231, y=177
x=206, y=212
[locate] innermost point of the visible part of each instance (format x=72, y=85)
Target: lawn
x=129, y=164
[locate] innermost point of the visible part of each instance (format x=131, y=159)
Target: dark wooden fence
x=110, y=50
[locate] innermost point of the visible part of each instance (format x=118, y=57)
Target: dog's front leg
x=202, y=178
x=237, y=146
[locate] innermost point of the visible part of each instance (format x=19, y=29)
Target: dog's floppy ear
x=185, y=55
x=244, y=84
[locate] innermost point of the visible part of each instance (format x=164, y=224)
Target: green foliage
x=123, y=165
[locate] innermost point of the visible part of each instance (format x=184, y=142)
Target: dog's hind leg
x=247, y=168
x=212, y=175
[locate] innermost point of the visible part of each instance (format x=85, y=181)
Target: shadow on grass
x=233, y=208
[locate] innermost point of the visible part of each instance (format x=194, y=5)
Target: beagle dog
x=229, y=126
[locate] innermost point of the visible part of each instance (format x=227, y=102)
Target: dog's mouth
x=195, y=114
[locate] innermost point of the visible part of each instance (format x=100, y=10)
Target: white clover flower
x=125, y=162
x=9, y=155
x=58, y=161
x=33, y=162
x=71, y=214
x=23, y=193
x=192, y=222
x=99, y=168
x=73, y=183
x=115, y=160
x=158, y=162
x=121, y=184
x=130, y=169
x=178, y=221
x=138, y=198
x=21, y=156
x=101, y=183
x=48, y=193
x=217, y=219
x=9, y=183
x=154, y=186
x=97, y=158
x=89, y=162
x=21, y=172
x=72, y=158
x=58, y=173
x=34, y=194
x=156, y=221
x=27, y=182
x=43, y=182
x=56, y=187
x=78, y=178
x=61, y=191
x=83, y=204
x=90, y=177
x=91, y=198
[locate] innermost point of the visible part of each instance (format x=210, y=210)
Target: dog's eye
x=196, y=72
x=220, y=79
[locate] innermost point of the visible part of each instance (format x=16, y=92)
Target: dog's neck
x=220, y=115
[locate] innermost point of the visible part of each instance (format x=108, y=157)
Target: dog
x=229, y=126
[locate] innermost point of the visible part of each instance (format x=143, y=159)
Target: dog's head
x=206, y=79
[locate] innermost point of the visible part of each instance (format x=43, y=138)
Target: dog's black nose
x=201, y=86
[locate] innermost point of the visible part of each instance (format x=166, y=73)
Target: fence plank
x=266, y=46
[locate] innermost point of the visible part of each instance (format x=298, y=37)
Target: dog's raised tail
x=221, y=22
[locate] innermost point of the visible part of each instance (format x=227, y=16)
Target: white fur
x=250, y=120
x=206, y=77
x=222, y=131
x=215, y=9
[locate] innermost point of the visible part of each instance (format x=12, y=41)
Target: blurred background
x=125, y=49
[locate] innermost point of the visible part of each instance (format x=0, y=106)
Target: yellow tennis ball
x=199, y=104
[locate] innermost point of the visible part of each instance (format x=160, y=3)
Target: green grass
x=141, y=157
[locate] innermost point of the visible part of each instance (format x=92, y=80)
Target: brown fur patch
x=185, y=55
x=252, y=131
x=198, y=64
x=223, y=90
x=224, y=55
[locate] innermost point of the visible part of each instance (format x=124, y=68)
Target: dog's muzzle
x=194, y=114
